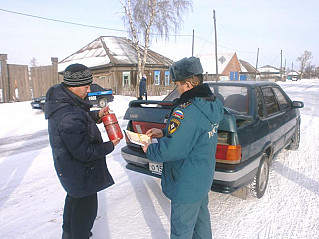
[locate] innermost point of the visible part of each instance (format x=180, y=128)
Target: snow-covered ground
x=31, y=198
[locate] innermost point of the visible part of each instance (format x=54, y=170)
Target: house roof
x=108, y=51
x=246, y=67
x=209, y=63
x=268, y=68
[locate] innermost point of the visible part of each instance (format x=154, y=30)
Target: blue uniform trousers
x=190, y=221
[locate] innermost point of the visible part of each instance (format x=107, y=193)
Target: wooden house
x=113, y=62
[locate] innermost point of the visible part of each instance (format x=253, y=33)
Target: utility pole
x=193, y=43
x=281, y=65
x=257, y=64
x=292, y=70
x=285, y=71
x=217, y=78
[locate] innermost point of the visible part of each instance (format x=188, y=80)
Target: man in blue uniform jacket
x=187, y=149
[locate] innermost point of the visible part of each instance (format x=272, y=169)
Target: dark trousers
x=142, y=96
x=79, y=215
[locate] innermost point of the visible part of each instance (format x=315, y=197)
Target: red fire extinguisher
x=112, y=127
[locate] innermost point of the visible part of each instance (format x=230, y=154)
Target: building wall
x=233, y=66
x=112, y=77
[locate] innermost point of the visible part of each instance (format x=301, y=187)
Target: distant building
x=269, y=73
x=113, y=62
x=228, y=66
x=293, y=75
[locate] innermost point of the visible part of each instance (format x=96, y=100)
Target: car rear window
x=233, y=97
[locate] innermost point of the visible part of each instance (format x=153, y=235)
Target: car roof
x=251, y=84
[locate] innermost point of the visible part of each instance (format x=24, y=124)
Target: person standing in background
x=142, y=88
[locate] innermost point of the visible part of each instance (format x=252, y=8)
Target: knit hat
x=77, y=75
x=185, y=68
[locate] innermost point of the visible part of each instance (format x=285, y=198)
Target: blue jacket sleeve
x=74, y=134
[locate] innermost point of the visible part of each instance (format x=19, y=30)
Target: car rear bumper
x=225, y=180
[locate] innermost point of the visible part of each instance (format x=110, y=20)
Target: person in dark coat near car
x=78, y=149
x=142, y=88
x=187, y=150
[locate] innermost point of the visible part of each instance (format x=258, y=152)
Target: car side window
x=270, y=101
x=282, y=100
x=260, y=108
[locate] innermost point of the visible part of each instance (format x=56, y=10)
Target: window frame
x=288, y=102
x=167, y=78
x=126, y=73
x=274, y=97
x=157, y=81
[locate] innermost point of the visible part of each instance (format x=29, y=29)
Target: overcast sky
x=243, y=26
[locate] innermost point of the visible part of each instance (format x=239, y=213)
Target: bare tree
x=34, y=62
x=310, y=71
x=148, y=18
x=304, y=59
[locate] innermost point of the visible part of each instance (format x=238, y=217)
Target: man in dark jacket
x=142, y=88
x=78, y=149
x=187, y=150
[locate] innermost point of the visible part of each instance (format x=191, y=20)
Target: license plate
x=36, y=105
x=155, y=168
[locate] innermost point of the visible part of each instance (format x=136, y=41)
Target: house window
x=157, y=77
x=166, y=78
x=126, y=79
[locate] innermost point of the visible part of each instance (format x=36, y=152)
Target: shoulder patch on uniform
x=178, y=114
x=184, y=105
x=173, y=125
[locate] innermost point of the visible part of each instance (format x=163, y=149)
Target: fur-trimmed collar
x=202, y=91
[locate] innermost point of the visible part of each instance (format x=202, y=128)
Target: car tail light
x=226, y=153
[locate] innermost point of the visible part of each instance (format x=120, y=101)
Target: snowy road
x=31, y=198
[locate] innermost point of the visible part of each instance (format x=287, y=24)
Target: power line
x=61, y=21
x=113, y=29
x=225, y=46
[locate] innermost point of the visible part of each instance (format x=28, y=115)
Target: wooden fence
x=18, y=83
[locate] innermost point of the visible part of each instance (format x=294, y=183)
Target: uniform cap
x=185, y=68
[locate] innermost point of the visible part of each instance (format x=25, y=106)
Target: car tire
x=259, y=185
x=294, y=145
x=102, y=102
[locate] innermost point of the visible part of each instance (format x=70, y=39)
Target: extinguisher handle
x=104, y=111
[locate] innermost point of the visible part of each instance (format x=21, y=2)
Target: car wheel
x=294, y=145
x=102, y=102
x=259, y=185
